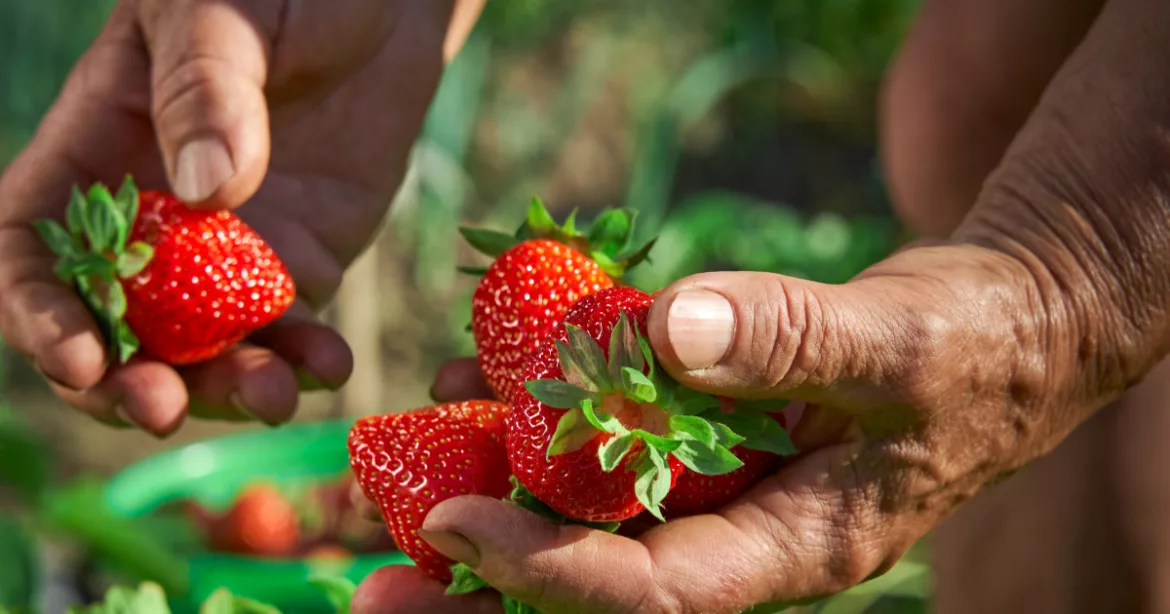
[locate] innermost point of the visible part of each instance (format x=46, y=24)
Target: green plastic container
x=211, y=472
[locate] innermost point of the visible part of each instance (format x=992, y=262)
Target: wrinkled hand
x=303, y=110
x=931, y=375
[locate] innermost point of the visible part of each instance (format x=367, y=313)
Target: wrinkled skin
x=934, y=374
x=278, y=84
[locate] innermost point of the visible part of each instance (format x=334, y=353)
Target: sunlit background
x=743, y=131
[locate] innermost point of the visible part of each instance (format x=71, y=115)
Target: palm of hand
x=328, y=182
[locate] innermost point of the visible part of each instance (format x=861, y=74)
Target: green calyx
x=689, y=425
x=609, y=241
x=94, y=254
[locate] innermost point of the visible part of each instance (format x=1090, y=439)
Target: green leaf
x=658, y=442
x=638, y=256
x=638, y=387
x=488, y=242
x=614, y=450
x=56, y=237
x=219, y=602
x=134, y=260
x=102, y=220
x=338, y=590
x=573, y=432
x=618, y=357
x=18, y=561
x=688, y=402
x=611, y=267
x=540, y=222
x=464, y=580
x=569, y=228
x=125, y=343
x=75, y=214
x=573, y=372
x=760, y=405
x=696, y=428
x=587, y=355
x=244, y=605
x=707, y=461
x=557, y=393
x=724, y=436
x=647, y=356
x=127, y=201
x=760, y=431
x=601, y=420
x=653, y=481
x=71, y=268
x=523, y=498
x=610, y=232
x=511, y=606
x=474, y=271
x=115, y=300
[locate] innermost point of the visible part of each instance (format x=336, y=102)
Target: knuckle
x=787, y=331
x=195, y=88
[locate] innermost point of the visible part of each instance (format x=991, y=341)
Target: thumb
x=209, y=63
x=760, y=335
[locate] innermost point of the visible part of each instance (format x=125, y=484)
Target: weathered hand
x=305, y=111
x=933, y=374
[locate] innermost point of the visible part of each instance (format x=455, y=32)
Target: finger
x=759, y=334
x=407, y=590
x=318, y=354
x=245, y=382
x=361, y=503
x=209, y=64
x=967, y=77
x=460, y=380
x=801, y=534
x=141, y=393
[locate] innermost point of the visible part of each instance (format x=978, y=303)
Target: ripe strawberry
x=408, y=463
x=695, y=493
x=260, y=522
x=537, y=275
x=593, y=403
x=180, y=285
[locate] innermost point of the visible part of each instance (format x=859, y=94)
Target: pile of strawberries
x=584, y=426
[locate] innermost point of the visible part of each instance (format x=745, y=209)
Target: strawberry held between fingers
x=179, y=285
x=410, y=462
x=598, y=433
x=537, y=274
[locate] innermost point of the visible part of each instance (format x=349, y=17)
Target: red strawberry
x=408, y=463
x=537, y=275
x=597, y=433
x=181, y=285
x=261, y=521
x=695, y=493
x=523, y=296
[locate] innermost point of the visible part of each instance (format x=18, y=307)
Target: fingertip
x=245, y=382
x=150, y=395
x=460, y=380
x=319, y=355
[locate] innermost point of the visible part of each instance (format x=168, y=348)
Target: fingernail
x=202, y=166
x=701, y=325
x=453, y=546
x=237, y=402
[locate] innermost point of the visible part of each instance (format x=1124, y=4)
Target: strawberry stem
x=696, y=432
x=94, y=256
x=608, y=243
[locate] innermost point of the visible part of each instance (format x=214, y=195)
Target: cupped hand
x=933, y=374
x=301, y=112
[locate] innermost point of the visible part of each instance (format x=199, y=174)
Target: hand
x=303, y=110
x=933, y=374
